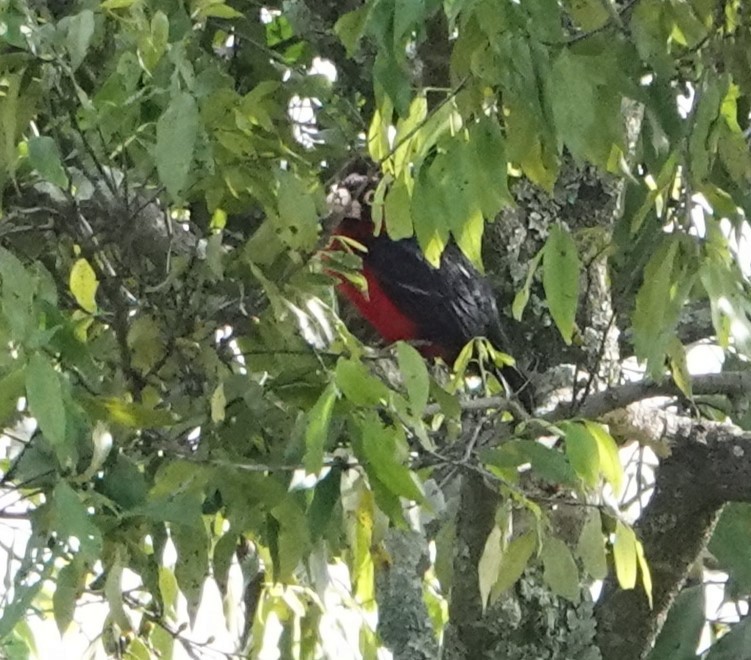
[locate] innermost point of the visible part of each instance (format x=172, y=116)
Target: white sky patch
x=302, y=110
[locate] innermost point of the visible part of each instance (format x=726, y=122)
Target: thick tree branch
x=709, y=465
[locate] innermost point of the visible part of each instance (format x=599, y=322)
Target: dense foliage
x=171, y=327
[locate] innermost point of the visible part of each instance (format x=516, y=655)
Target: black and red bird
x=440, y=309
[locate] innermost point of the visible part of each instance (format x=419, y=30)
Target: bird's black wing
x=451, y=304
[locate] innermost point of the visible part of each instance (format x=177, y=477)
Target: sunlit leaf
x=358, y=384
x=490, y=563
x=583, y=453
x=83, y=285
x=624, y=555
x=610, y=462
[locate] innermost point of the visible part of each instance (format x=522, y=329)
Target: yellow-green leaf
x=490, y=562
x=583, y=453
x=679, y=366
x=625, y=556
x=218, y=404
x=317, y=431
x=610, y=461
x=646, y=575
x=83, y=285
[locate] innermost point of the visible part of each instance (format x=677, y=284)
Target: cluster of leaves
x=282, y=438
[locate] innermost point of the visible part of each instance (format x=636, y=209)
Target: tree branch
x=709, y=465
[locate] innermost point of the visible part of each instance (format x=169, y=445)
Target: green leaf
x=137, y=650
x=146, y=342
x=176, y=136
x=560, y=572
x=408, y=16
x=583, y=453
x=69, y=586
x=489, y=169
x=325, y=497
x=588, y=14
x=45, y=396
x=113, y=592
x=297, y=222
x=80, y=30
x=679, y=366
x=624, y=555
x=25, y=591
x=652, y=320
x=646, y=574
x=429, y=213
x=221, y=560
x=513, y=562
x=415, y=374
x=44, y=157
x=12, y=388
x=317, y=431
x=560, y=279
x=730, y=542
x=358, y=384
x=397, y=211
x=153, y=44
x=218, y=404
x=192, y=566
x=591, y=547
x=219, y=10
x=351, y=26
x=72, y=520
x=379, y=145
x=169, y=590
x=709, y=100
x=383, y=450
x=522, y=297
x=586, y=103
x=124, y=483
x=489, y=565
x=550, y=464
x=610, y=461
x=83, y=285
x=134, y=415
x=681, y=632
x=449, y=403
x=118, y=4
